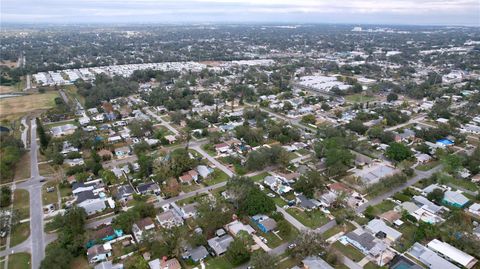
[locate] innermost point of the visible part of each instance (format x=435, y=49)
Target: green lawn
x=216, y=177
x=383, y=207
x=20, y=233
x=260, y=177
x=21, y=202
x=208, y=149
x=427, y=166
x=371, y=265
x=407, y=239
x=312, y=219
x=49, y=197
x=349, y=251
x=19, y=261
x=338, y=228
x=218, y=263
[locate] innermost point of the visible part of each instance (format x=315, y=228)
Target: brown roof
x=144, y=223
x=339, y=187
x=103, y=232
x=221, y=145
x=170, y=264
x=390, y=216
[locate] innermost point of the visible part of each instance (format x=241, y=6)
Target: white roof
x=452, y=253
x=377, y=225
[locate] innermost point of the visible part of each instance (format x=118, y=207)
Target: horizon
x=140, y=12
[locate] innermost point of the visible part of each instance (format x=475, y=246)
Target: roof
x=169, y=215
x=363, y=238
x=390, y=216
x=377, y=225
x=315, y=263
x=142, y=223
x=455, y=197
x=236, y=226
x=339, y=187
x=143, y=187
x=85, y=195
x=124, y=190
x=452, y=253
x=269, y=224
x=427, y=203
x=198, y=253
x=108, y=265
x=305, y=202
x=430, y=258
x=168, y=264
x=220, y=244
x=103, y=232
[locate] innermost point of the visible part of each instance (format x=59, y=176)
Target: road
x=163, y=122
x=412, y=120
x=198, y=148
x=28, y=84
x=293, y=221
x=24, y=132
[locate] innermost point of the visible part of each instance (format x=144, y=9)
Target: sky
x=419, y=12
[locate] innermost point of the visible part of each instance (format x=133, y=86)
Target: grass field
x=359, y=98
x=72, y=91
x=15, y=107
x=216, y=177
x=19, y=261
x=312, y=219
x=220, y=262
x=21, y=202
x=349, y=251
x=260, y=177
x=20, y=233
x=80, y=263
x=49, y=197
x=427, y=166
x=22, y=168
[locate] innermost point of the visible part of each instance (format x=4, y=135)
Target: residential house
x=108, y=265
x=377, y=226
x=169, y=219
x=106, y=234
x=220, y=244
x=365, y=242
x=373, y=173
x=314, y=262
x=171, y=139
x=124, y=193
x=204, y=171
x=188, y=177
x=63, y=130
x=305, y=203
x=236, y=226
x=430, y=258
x=455, y=199
x=327, y=198
x=452, y=253
x=195, y=254
x=475, y=209
x=98, y=253
x=92, y=203
x=148, y=188
x=265, y=223
x=74, y=162
x=165, y=264
x=276, y=184
x=140, y=226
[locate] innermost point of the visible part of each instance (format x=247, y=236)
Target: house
x=265, y=223
x=390, y=216
x=108, y=265
x=452, y=253
x=475, y=209
x=304, y=202
x=339, y=188
x=124, y=193
x=236, y=226
x=195, y=254
x=429, y=258
x=106, y=234
x=165, y=264
x=188, y=177
x=74, y=162
x=169, y=219
x=204, y=171
x=98, y=253
x=373, y=173
x=315, y=262
x=376, y=226
x=427, y=204
x=476, y=231
x=170, y=138
x=276, y=184
x=364, y=241
x=189, y=210
x=63, y=130
x=328, y=198
x=423, y=158
x=92, y=203
x=222, y=148
x=220, y=244
x=141, y=226
x=148, y=188
x=455, y=199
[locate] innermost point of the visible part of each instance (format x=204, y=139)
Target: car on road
x=43, y=180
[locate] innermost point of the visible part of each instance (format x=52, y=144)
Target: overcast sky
x=431, y=12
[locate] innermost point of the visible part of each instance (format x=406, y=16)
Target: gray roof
x=124, y=190
x=198, y=253
x=430, y=258
x=220, y=244
x=144, y=187
x=305, y=202
x=455, y=197
x=420, y=200
x=86, y=195
x=363, y=238
x=315, y=263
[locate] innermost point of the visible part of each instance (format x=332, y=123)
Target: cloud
x=324, y=11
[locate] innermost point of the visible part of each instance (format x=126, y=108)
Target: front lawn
x=19, y=261
x=347, y=227
x=49, y=197
x=349, y=251
x=427, y=166
x=218, y=263
x=260, y=177
x=20, y=233
x=21, y=202
x=312, y=219
x=408, y=236
x=216, y=177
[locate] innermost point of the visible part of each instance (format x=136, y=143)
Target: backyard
x=312, y=219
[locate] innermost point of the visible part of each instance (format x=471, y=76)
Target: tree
x=5, y=196
x=452, y=163
x=206, y=98
x=309, y=119
x=357, y=126
x=263, y=260
x=392, y=97
x=436, y=196
x=398, y=152
x=310, y=183
x=56, y=257
x=284, y=228
x=237, y=253
x=308, y=243
x=136, y=262
x=42, y=135
x=256, y=202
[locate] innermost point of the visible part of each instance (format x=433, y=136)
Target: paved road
x=293, y=221
x=164, y=123
x=295, y=122
x=197, y=147
x=412, y=120
x=419, y=176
